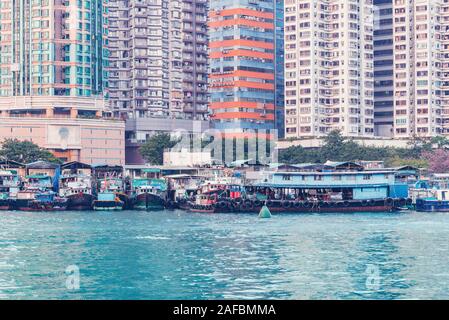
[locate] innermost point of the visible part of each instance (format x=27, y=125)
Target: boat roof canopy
x=180, y=176
x=11, y=164
x=42, y=165
x=76, y=165
x=247, y=162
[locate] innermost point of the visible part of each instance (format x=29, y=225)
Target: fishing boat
x=182, y=189
x=111, y=195
x=149, y=194
x=37, y=195
x=75, y=185
x=108, y=201
x=9, y=186
x=214, y=192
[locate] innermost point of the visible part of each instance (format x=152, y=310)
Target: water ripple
x=178, y=255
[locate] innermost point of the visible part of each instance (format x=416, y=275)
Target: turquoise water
x=180, y=255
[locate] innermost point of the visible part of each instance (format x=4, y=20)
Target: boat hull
x=6, y=204
x=203, y=208
x=34, y=205
x=247, y=206
x=102, y=205
x=432, y=206
x=80, y=201
x=148, y=201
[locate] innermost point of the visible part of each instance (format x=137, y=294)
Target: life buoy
x=238, y=200
x=269, y=203
x=364, y=203
x=409, y=202
x=402, y=202
x=389, y=201
x=346, y=203
x=297, y=204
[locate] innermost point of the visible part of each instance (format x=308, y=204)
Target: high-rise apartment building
x=383, y=68
x=158, y=67
x=329, y=68
x=195, y=59
x=145, y=58
x=279, y=68
x=242, y=66
x=158, y=60
x=421, y=67
x=52, y=78
x=52, y=47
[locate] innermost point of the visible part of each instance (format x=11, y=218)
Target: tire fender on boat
x=257, y=203
x=389, y=202
x=286, y=204
x=308, y=204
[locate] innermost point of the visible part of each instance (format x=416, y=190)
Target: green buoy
x=264, y=212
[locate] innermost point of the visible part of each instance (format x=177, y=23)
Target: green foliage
x=25, y=152
x=338, y=148
x=153, y=149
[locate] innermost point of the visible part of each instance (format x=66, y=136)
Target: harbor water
x=182, y=255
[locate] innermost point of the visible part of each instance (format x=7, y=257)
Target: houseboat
x=333, y=187
x=75, y=184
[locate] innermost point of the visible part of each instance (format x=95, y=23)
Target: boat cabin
x=42, y=168
x=75, y=168
x=344, y=185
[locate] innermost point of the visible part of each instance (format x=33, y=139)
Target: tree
x=438, y=160
x=440, y=142
x=25, y=152
x=153, y=149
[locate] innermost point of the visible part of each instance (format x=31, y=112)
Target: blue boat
x=108, y=201
x=439, y=202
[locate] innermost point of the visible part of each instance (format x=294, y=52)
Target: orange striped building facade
x=242, y=67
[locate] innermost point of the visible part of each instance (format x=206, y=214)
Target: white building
x=421, y=67
x=328, y=67
x=187, y=158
